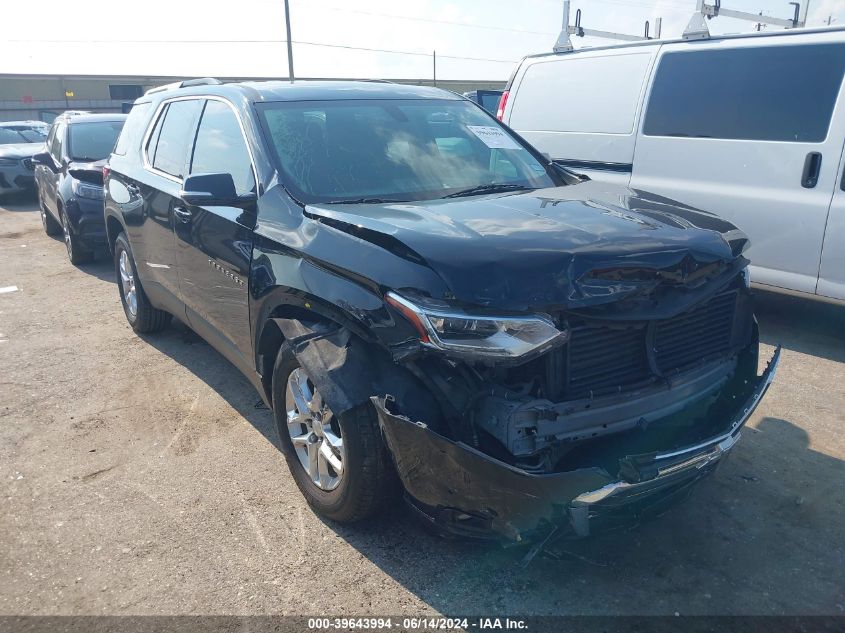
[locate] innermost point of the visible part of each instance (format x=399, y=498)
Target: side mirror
x=214, y=190
x=43, y=158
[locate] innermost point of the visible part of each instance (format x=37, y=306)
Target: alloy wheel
x=66, y=231
x=127, y=282
x=314, y=432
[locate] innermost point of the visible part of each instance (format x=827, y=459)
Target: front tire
x=51, y=227
x=142, y=316
x=315, y=443
x=76, y=252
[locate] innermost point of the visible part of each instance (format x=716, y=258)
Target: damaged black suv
x=428, y=304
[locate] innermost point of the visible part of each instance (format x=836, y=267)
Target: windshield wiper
x=85, y=159
x=493, y=188
x=365, y=201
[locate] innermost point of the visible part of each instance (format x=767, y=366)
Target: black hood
x=582, y=245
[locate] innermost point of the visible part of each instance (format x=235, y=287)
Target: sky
x=392, y=39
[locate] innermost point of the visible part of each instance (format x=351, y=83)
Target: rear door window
x=133, y=128
x=177, y=125
x=220, y=147
x=771, y=93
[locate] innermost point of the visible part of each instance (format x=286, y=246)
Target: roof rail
x=203, y=81
x=564, y=43
x=697, y=27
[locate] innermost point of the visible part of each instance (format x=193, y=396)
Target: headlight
x=86, y=190
x=8, y=162
x=485, y=336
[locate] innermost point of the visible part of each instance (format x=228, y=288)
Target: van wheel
x=51, y=227
x=76, y=252
x=339, y=463
x=140, y=313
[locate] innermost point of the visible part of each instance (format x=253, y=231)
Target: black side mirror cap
x=214, y=190
x=43, y=158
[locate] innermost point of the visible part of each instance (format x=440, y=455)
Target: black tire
x=77, y=253
x=369, y=482
x=146, y=319
x=51, y=227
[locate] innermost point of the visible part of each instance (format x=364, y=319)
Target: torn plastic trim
x=346, y=370
x=451, y=478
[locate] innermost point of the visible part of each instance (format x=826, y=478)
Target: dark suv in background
x=415, y=291
x=69, y=180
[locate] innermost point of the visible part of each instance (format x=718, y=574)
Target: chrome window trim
x=154, y=120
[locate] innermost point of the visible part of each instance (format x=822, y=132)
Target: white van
x=750, y=127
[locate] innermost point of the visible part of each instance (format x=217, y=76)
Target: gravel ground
x=138, y=476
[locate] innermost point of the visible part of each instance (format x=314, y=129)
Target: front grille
x=701, y=333
x=604, y=359
x=27, y=162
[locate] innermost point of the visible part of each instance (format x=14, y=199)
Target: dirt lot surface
x=139, y=477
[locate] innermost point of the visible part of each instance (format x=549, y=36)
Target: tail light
x=503, y=101
x=106, y=172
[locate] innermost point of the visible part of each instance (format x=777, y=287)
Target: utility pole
x=290, y=44
x=434, y=66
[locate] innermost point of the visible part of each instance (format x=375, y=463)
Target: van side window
x=174, y=140
x=772, y=93
x=221, y=148
x=133, y=127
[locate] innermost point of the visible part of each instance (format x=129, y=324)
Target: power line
x=302, y=42
x=385, y=50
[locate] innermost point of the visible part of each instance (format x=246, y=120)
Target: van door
x=581, y=108
x=751, y=129
x=832, y=267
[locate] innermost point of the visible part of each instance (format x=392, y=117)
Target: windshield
x=22, y=134
x=92, y=141
x=392, y=150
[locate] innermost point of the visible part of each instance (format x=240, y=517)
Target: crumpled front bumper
x=462, y=490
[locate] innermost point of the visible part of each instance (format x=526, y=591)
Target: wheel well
x=271, y=339
x=113, y=229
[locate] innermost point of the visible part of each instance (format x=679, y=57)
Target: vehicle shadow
x=19, y=201
x=102, y=268
x=763, y=535
x=802, y=325
x=187, y=348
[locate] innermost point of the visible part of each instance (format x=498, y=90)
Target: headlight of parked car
x=87, y=190
x=8, y=162
x=455, y=331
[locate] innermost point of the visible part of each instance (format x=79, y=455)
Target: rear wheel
x=76, y=252
x=339, y=463
x=140, y=313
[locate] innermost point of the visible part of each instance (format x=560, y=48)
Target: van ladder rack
x=697, y=27
x=564, y=43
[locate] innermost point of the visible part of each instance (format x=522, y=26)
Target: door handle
x=812, y=167
x=183, y=214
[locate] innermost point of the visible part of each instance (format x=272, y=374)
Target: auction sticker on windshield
x=493, y=137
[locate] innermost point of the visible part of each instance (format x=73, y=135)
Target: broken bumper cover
x=462, y=490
